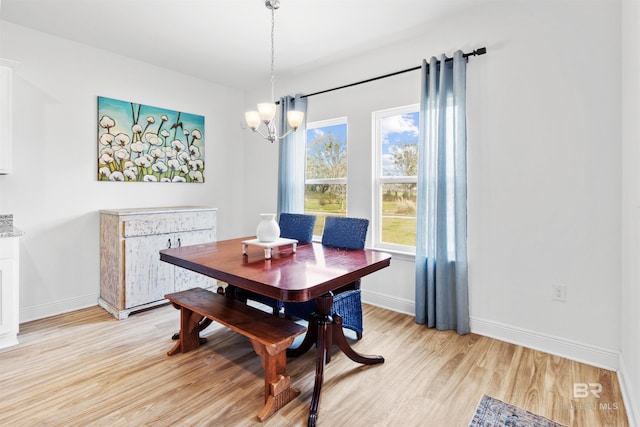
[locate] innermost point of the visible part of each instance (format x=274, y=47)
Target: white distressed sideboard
x=132, y=277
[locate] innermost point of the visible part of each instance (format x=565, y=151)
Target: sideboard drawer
x=148, y=225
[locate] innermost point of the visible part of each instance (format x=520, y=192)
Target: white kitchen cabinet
x=132, y=277
x=6, y=72
x=9, y=291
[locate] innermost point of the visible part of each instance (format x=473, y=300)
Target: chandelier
x=267, y=111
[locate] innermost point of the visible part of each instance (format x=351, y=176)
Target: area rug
x=495, y=413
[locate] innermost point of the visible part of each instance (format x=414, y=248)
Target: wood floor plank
x=87, y=369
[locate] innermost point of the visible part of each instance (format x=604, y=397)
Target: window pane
x=399, y=214
x=326, y=165
x=323, y=200
x=327, y=152
x=399, y=137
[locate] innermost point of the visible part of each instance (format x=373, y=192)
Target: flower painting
x=147, y=144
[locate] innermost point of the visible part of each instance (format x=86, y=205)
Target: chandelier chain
x=272, y=52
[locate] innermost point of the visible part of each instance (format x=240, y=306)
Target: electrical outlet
x=559, y=293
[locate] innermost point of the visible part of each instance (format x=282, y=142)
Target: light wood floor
x=86, y=368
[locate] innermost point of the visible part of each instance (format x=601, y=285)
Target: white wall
x=544, y=166
x=630, y=313
x=53, y=192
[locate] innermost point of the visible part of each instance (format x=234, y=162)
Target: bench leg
x=277, y=384
x=189, y=332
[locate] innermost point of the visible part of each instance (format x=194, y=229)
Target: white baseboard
x=391, y=303
x=629, y=395
x=580, y=352
x=41, y=311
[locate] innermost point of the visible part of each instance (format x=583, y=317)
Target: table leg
x=322, y=320
x=327, y=330
x=341, y=341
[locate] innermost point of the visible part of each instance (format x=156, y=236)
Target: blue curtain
x=441, y=237
x=291, y=160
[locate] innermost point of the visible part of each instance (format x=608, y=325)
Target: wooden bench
x=270, y=336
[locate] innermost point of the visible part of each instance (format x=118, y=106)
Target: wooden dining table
x=311, y=272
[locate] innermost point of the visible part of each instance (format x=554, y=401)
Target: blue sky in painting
x=120, y=111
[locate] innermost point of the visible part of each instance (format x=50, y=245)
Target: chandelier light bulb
x=267, y=111
x=253, y=119
x=294, y=118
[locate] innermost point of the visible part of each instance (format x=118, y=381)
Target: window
x=395, y=177
x=325, y=191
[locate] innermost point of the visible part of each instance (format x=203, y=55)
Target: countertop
x=10, y=231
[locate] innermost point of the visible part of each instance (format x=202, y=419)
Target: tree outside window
x=326, y=170
x=396, y=137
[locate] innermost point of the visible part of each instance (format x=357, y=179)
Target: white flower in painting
x=178, y=178
x=150, y=178
x=122, y=139
x=138, y=147
x=186, y=132
x=165, y=133
x=106, y=139
x=174, y=164
x=122, y=154
x=183, y=156
x=165, y=179
x=164, y=118
x=170, y=152
x=108, y=151
x=104, y=172
x=196, y=164
x=157, y=153
x=106, y=159
x=178, y=145
x=143, y=161
x=184, y=169
x=195, y=151
x=137, y=129
x=151, y=120
x=107, y=122
x=131, y=174
x=196, y=176
x=159, y=167
x=196, y=134
x=129, y=165
x=116, y=176
x=153, y=139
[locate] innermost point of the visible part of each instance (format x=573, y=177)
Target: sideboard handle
x=169, y=244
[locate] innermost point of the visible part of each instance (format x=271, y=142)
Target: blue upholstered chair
x=297, y=226
x=292, y=226
x=344, y=233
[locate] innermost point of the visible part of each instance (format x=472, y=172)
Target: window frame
x=379, y=179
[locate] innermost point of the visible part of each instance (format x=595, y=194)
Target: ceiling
x=228, y=41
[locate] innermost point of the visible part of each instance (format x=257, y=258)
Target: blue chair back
x=345, y=232
x=297, y=226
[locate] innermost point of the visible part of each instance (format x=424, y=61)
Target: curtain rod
x=476, y=52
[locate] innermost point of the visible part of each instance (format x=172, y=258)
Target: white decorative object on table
x=268, y=246
x=268, y=229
